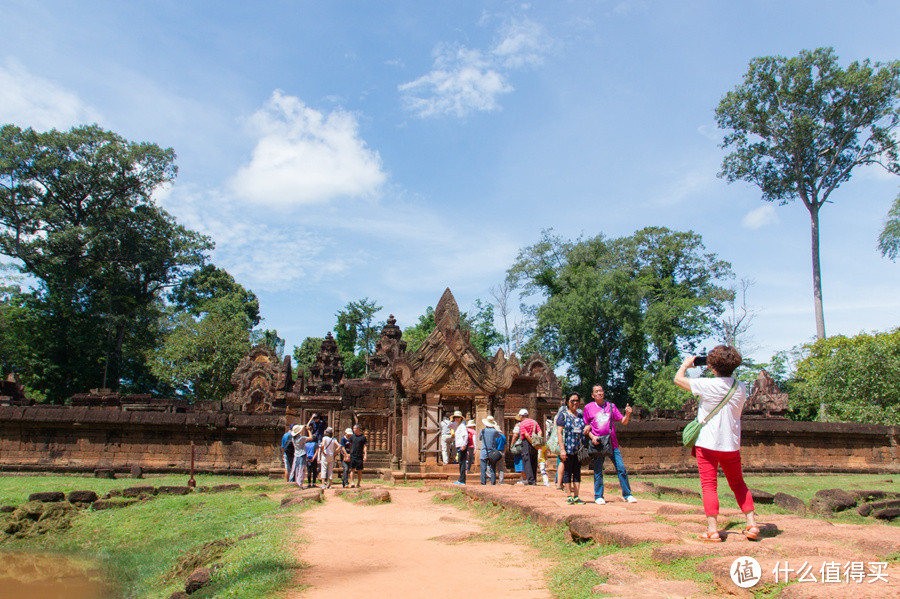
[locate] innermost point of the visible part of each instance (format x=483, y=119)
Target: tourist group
x=311, y=453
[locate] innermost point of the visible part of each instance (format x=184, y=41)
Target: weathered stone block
x=828, y=501
x=887, y=513
x=139, y=490
x=81, y=497
x=763, y=497
x=174, y=490
x=790, y=503
x=198, y=579
x=47, y=497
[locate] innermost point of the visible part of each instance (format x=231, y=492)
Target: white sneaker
x=630, y=499
x=600, y=501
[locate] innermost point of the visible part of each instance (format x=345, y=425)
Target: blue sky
x=339, y=150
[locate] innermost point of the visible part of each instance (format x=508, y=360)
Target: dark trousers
x=312, y=472
x=345, y=476
x=463, y=454
x=529, y=461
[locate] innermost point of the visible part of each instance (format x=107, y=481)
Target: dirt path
x=410, y=547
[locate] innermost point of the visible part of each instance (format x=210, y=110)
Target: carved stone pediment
x=447, y=362
x=457, y=381
x=549, y=386
x=766, y=399
x=259, y=382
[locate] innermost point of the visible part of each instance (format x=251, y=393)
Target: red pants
x=708, y=462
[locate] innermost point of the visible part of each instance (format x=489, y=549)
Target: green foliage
x=614, y=307
x=199, y=353
x=209, y=283
x=270, y=339
x=416, y=334
x=482, y=333
x=356, y=330
x=889, y=240
x=850, y=379
x=305, y=355
x=654, y=388
x=797, y=127
x=11, y=315
x=76, y=214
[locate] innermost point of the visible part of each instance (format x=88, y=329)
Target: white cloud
x=761, y=217
x=304, y=157
x=464, y=80
x=461, y=81
x=522, y=43
x=31, y=101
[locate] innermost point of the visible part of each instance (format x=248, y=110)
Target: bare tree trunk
x=501, y=295
x=817, y=271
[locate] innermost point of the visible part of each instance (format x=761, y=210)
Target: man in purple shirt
x=601, y=416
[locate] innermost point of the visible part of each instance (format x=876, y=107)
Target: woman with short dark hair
x=569, y=428
x=719, y=442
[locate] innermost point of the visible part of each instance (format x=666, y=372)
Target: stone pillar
x=411, y=445
x=481, y=412
x=404, y=433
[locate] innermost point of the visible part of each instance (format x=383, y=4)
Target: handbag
x=593, y=450
x=692, y=430
x=494, y=455
x=583, y=455
x=516, y=447
x=536, y=440
x=604, y=447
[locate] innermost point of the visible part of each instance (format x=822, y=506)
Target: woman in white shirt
x=719, y=443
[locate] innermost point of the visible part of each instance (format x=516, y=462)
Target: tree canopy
x=482, y=333
x=850, y=379
x=356, y=334
x=612, y=307
x=797, y=127
x=77, y=215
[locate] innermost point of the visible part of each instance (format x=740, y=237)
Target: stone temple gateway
x=401, y=401
x=399, y=404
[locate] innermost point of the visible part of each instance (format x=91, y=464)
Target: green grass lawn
x=139, y=546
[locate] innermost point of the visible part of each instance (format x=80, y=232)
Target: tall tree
x=209, y=283
x=200, y=351
x=797, y=127
x=208, y=329
x=76, y=213
x=356, y=334
x=305, y=354
x=610, y=308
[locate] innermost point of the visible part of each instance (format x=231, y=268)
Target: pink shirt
x=601, y=419
x=529, y=427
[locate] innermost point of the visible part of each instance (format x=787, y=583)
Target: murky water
x=42, y=576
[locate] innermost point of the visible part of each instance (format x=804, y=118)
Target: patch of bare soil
x=410, y=547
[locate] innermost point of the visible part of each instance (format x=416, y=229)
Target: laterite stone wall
x=61, y=439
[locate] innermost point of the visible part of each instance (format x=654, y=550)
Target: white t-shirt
x=328, y=447
x=723, y=432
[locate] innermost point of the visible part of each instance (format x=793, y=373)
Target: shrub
x=850, y=379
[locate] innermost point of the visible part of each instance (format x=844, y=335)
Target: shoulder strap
x=722, y=403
